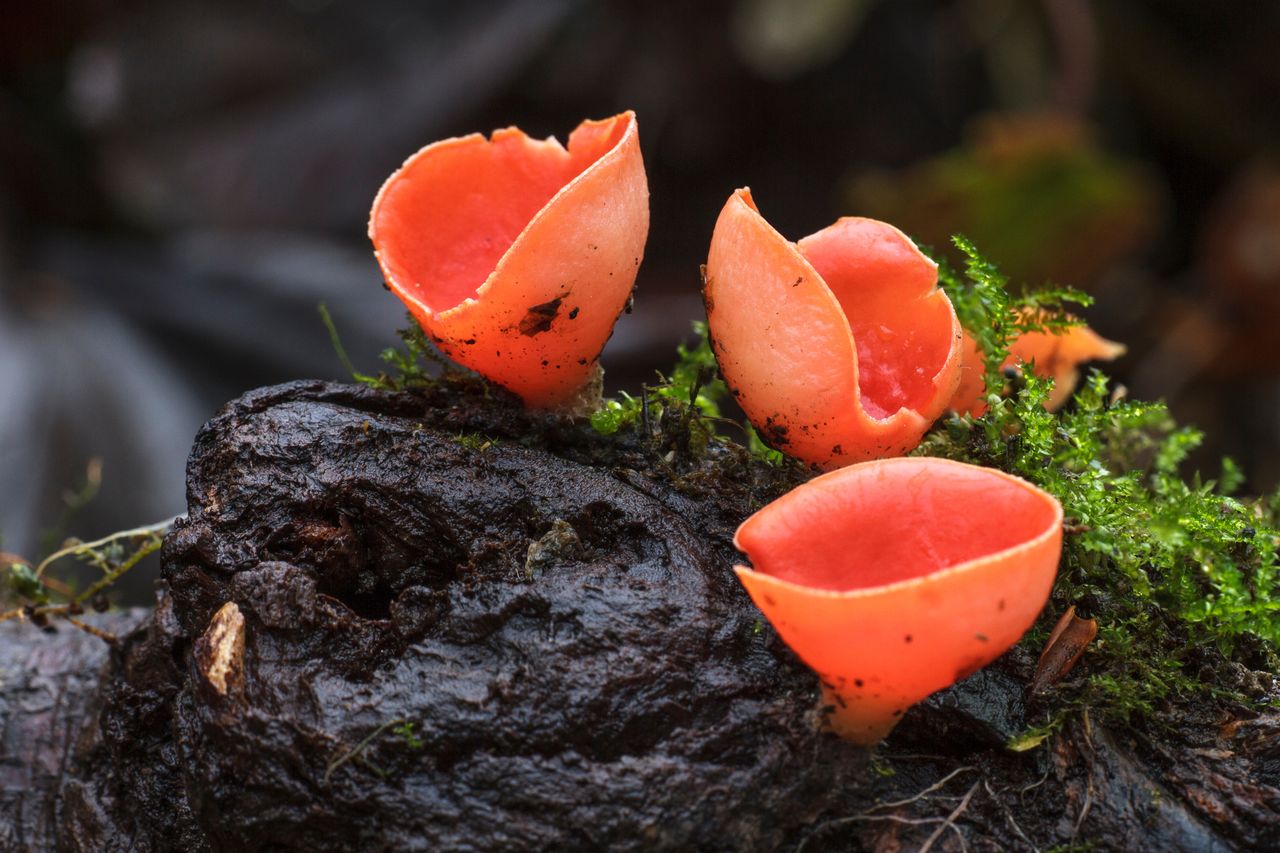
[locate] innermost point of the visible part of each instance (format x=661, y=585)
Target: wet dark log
x=399, y=622
x=48, y=690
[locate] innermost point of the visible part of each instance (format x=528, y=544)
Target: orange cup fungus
x=839, y=348
x=896, y=578
x=1057, y=357
x=517, y=255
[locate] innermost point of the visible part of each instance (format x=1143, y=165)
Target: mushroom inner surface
x=451, y=213
x=901, y=325
x=878, y=527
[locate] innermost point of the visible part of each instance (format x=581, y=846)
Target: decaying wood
x=48, y=689
x=371, y=635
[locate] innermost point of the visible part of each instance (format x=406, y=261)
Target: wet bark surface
x=422, y=621
x=48, y=692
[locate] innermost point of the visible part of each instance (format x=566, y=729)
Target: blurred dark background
x=181, y=183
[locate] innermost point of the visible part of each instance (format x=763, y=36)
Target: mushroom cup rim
x=894, y=587
x=468, y=303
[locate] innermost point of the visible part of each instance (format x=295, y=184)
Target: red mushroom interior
x=455, y=208
x=881, y=280
x=872, y=531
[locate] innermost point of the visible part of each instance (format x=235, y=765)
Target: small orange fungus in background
x=517, y=255
x=839, y=348
x=896, y=578
x=1055, y=356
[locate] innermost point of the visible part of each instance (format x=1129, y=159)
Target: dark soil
x=555, y=616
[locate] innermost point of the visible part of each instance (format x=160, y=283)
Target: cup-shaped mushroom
x=839, y=348
x=1054, y=356
x=517, y=255
x=895, y=578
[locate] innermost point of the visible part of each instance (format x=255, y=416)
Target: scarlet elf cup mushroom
x=1053, y=356
x=895, y=578
x=517, y=255
x=839, y=348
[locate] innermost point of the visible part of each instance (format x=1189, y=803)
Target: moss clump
x=692, y=395
x=993, y=315
x=407, y=366
x=1180, y=574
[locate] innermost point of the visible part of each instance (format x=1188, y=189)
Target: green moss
x=693, y=392
x=407, y=366
x=1180, y=574
x=691, y=397
x=994, y=316
x=614, y=414
x=406, y=733
x=473, y=441
x=26, y=585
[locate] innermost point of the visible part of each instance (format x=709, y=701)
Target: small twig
x=64, y=611
x=113, y=575
x=934, y=787
x=858, y=818
x=23, y=612
x=105, y=636
x=868, y=816
x=1033, y=785
x=81, y=548
x=359, y=748
x=950, y=822
x=1084, y=812
x=1008, y=814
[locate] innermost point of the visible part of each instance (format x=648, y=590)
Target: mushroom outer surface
x=517, y=255
x=896, y=578
x=839, y=348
